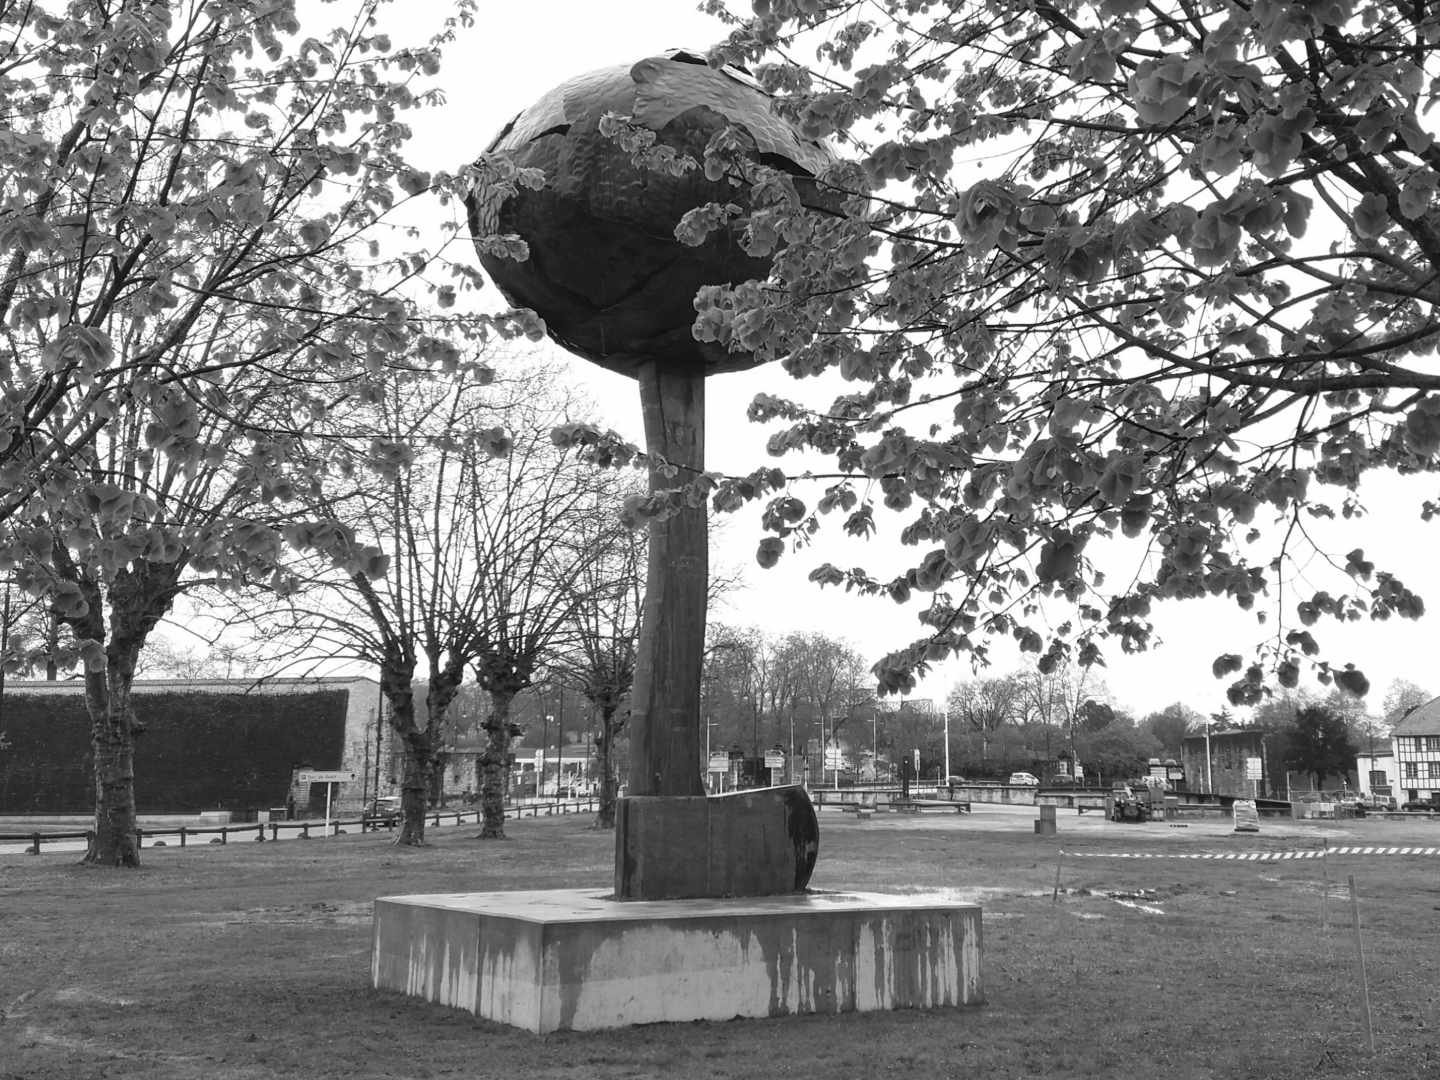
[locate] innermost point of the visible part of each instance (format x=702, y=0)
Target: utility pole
x=947, y=745
x=1209, y=786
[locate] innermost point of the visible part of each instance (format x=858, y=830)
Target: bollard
x=224, y=834
x=1045, y=823
x=183, y=831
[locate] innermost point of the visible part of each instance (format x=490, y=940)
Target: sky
x=521, y=50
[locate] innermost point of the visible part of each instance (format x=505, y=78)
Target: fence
x=221, y=834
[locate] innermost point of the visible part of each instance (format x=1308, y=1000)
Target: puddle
x=1149, y=909
x=966, y=896
x=360, y=911
x=1146, y=900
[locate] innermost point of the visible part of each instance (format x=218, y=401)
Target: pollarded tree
x=1167, y=271
x=412, y=455
x=537, y=519
x=598, y=652
x=463, y=509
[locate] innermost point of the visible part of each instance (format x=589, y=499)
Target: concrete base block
x=748, y=843
x=576, y=960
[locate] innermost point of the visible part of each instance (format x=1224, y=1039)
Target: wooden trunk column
x=665, y=716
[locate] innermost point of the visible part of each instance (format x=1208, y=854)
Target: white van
x=1024, y=779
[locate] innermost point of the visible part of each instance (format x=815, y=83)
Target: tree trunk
x=416, y=776
x=604, y=760
x=665, y=719
x=397, y=673
x=139, y=596
x=112, y=740
x=494, y=765
x=443, y=685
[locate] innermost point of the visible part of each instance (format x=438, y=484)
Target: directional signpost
x=775, y=761
x=329, y=779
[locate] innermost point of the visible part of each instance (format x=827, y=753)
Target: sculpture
x=614, y=286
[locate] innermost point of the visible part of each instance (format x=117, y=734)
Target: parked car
x=1024, y=779
x=385, y=810
x=1061, y=780
x=1425, y=805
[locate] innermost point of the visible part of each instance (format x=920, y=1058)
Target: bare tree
x=531, y=521
x=479, y=529
x=599, y=654
x=983, y=706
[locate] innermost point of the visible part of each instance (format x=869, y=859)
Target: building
x=1376, y=774
x=237, y=745
x=1417, y=754
x=1237, y=761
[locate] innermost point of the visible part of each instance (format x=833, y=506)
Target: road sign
x=720, y=762
x=774, y=759
x=316, y=776
x=1252, y=768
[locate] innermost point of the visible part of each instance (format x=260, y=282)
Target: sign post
x=1253, y=768
x=775, y=761
x=329, y=779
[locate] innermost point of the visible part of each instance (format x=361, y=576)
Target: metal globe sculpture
x=614, y=285
x=605, y=270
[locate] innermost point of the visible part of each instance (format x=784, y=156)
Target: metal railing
x=302, y=830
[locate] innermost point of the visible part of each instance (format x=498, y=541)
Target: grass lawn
x=251, y=961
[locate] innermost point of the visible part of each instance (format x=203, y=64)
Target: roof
x=1423, y=721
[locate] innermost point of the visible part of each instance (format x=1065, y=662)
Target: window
x=1412, y=770
x=1434, y=770
x=1378, y=779
x=1432, y=744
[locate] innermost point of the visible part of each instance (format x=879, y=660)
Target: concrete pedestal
x=575, y=959
x=748, y=843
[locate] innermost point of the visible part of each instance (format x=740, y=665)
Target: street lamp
x=947, y=743
x=709, y=726
x=544, y=744
x=1209, y=788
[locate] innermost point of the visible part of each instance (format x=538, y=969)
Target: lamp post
x=947, y=744
x=544, y=747
x=1209, y=787
x=710, y=724
x=559, y=737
